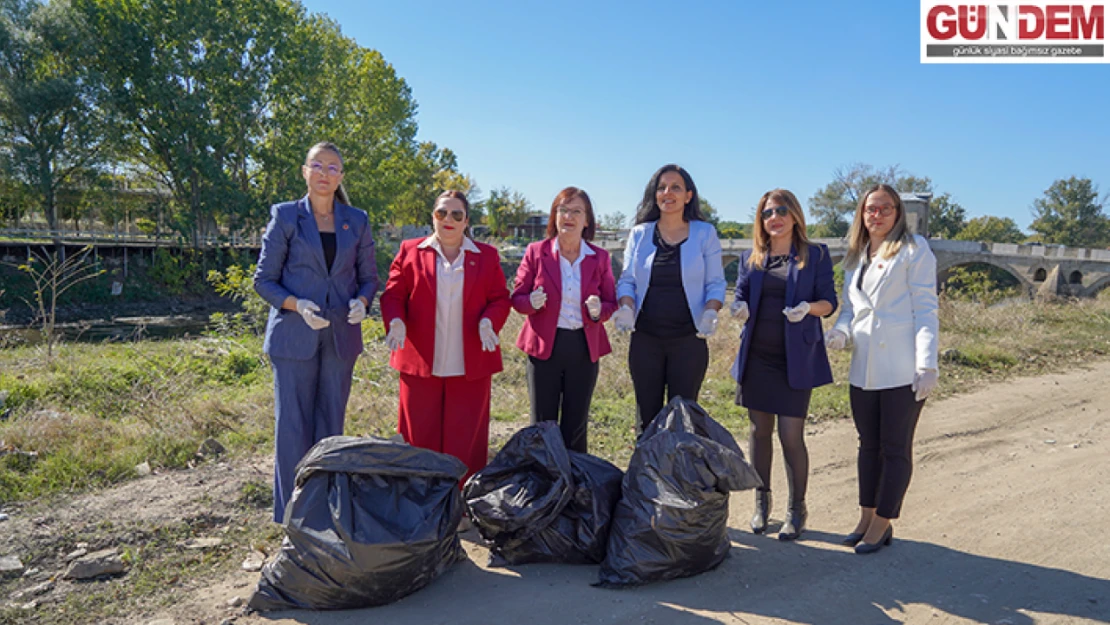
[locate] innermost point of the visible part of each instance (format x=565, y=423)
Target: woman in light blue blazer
x=317, y=272
x=670, y=290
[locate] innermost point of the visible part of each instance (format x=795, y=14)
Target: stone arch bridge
x=1078, y=272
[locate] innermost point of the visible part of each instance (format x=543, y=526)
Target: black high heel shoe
x=852, y=539
x=888, y=537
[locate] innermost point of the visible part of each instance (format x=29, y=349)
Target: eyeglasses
x=781, y=211
x=324, y=170
x=573, y=212
x=441, y=213
x=885, y=210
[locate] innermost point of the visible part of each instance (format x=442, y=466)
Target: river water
x=117, y=329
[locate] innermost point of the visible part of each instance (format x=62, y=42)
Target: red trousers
x=448, y=415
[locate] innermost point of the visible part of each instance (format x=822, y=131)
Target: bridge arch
x=1097, y=286
x=944, y=269
x=1040, y=275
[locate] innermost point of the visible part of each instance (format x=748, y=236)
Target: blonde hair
x=858, y=237
x=761, y=240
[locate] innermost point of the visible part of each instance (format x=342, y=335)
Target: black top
x=327, y=239
x=665, y=313
x=768, y=339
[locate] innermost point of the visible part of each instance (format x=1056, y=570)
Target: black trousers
x=885, y=420
x=674, y=366
x=564, y=381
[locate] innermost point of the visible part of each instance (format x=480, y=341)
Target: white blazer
x=892, y=320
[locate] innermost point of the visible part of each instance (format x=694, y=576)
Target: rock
x=103, y=562
x=41, y=589
x=143, y=470
x=211, y=447
x=202, y=543
x=3, y=517
x=1050, y=441
x=234, y=602
x=10, y=566
x=76, y=553
x=254, y=562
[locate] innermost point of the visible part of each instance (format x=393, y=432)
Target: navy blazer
x=807, y=362
x=292, y=263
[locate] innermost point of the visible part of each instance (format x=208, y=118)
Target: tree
x=50, y=122
x=734, y=230
x=615, y=220
x=831, y=207
x=1070, y=213
x=991, y=229
x=946, y=218
x=708, y=211
x=503, y=209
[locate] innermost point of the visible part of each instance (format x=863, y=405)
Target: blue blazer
x=292, y=263
x=807, y=362
x=703, y=275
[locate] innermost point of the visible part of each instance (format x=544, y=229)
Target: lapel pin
x=880, y=265
x=346, y=227
x=472, y=263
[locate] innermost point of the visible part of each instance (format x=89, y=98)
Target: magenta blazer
x=540, y=267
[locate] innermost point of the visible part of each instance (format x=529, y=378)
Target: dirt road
x=1005, y=523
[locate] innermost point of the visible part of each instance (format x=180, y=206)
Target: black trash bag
x=538, y=502
x=672, y=518
x=370, y=521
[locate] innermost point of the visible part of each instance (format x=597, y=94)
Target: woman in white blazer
x=889, y=316
x=669, y=291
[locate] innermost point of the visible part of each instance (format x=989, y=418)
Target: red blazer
x=540, y=267
x=410, y=294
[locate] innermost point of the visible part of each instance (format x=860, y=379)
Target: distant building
x=917, y=212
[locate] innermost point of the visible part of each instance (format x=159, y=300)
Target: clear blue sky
x=747, y=96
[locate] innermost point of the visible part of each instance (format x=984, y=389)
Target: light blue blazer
x=703, y=275
x=292, y=263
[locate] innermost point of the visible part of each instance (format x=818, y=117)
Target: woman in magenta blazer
x=444, y=304
x=564, y=288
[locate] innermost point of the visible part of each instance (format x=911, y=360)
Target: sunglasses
x=781, y=211
x=442, y=213
x=324, y=170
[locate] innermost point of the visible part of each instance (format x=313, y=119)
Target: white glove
x=835, y=339
x=593, y=306
x=307, y=310
x=739, y=310
x=489, y=337
x=395, y=340
x=797, y=313
x=624, y=319
x=538, y=298
x=708, y=323
x=357, y=313
x=924, y=382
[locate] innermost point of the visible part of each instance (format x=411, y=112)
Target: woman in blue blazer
x=317, y=272
x=669, y=292
x=787, y=284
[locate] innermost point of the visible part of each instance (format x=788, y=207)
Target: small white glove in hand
x=739, y=310
x=538, y=298
x=707, y=325
x=797, y=313
x=307, y=309
x=835, y=339
x=395, y=339
x=489, y=337
x=624, y=319
x=924, y=381
x=593, y=306
x=357, y=312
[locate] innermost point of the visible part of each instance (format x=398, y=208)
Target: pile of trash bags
x=370, y=521
x=672, y=519
x=536, y=501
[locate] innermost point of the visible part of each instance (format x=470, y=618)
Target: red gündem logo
x=1037, y=32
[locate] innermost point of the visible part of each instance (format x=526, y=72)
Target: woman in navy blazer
x=317, y=272
x=787, y=282
x=670, y=290
x=564, y=288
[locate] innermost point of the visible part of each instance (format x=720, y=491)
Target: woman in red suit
x=564, y=288
x=444, y=303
